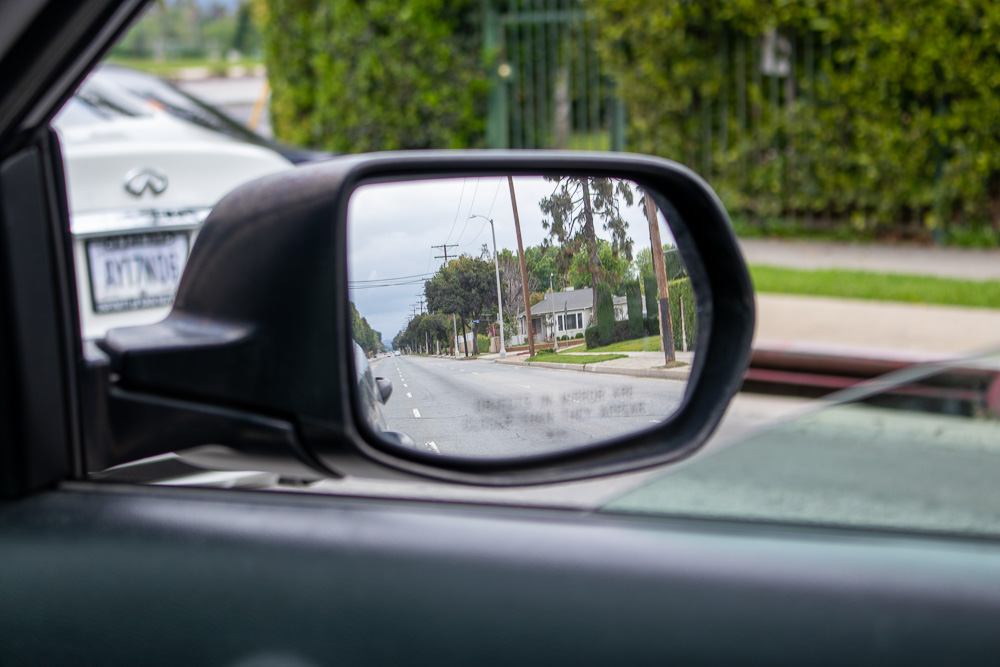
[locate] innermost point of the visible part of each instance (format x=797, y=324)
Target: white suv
x=140, y=183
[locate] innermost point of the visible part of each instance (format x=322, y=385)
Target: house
x=566, y=313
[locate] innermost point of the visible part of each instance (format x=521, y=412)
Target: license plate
x=136, y=271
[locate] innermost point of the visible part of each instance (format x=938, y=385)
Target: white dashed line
x=654, y=421
x=409, y=395
x=525, y=386
x=405, y=385
x=431, y=446
x=475, y=373
x=416, y=413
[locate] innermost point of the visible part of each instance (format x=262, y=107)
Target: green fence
x=548, y=85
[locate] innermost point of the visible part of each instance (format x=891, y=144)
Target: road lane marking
x=405, y=385
x=416, y=413
x=409, y=395
x=431, y=446
x=525, y=386
x=654, y=421
x=475, y=373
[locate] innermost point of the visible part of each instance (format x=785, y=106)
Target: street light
x=496, y=264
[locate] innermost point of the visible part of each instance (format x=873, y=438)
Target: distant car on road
x=140, y=182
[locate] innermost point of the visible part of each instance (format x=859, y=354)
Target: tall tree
x=573, y=209
x=466, y=286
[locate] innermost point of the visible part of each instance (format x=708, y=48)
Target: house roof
x=569, y=300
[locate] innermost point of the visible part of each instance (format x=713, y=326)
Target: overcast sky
x=392, y=226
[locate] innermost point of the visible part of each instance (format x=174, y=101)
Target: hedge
x=351, y=76
x=884, y=121
x=605, y=314
x=633, y=301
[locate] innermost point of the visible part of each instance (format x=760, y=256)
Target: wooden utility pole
x=660, y=268
x=524, y=270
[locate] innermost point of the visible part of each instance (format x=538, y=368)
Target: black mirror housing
x=261, y=328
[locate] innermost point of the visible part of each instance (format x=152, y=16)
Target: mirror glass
x=503, y=317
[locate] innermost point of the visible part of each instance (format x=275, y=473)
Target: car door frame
x=116, y=573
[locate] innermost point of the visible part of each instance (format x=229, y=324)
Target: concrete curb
x=662, y=373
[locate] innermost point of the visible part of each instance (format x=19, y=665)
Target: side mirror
x=257, y=354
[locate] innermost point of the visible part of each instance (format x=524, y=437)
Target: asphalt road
x=480, y=409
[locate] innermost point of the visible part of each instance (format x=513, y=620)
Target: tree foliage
x=572, y=212
x=465, y=286
x=352, y=76
x=369, y=339
x=428, y=328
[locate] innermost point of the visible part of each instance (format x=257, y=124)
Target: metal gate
x=548, y=88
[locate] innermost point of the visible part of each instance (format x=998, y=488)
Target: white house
x=565, y=313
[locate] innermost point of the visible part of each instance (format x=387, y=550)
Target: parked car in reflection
x=140, y=183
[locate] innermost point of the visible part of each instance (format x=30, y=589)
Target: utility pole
x=421, y=304
x=524, y=270
x=555, y=342
x=660, y=267
x=496, y=263
x=444, y=247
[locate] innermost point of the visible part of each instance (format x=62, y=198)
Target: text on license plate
x=136, y=271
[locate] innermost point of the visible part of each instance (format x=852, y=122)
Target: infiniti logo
x=139, y=180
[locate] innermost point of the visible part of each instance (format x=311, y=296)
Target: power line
x=499, y=182
x=457, y=211
x=382, y=280
x=459, y=239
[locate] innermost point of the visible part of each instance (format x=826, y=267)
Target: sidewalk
x=636, y=364
x=963, y=263
x=913, y=332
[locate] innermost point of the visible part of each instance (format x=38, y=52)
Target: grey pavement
x=964, y=263
x=482, y=409
x=747, y=414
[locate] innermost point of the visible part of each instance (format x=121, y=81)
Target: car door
x=98, y=573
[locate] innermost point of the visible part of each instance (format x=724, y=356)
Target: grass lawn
x=877, y=286
x=647, y=344
x=547, y=355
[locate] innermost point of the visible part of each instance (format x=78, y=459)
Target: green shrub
x=652, y=325
x=622, y=331
x=633, y=301
x=483, y=342
x=591, y=336
x=334, y=87
x=578, y=336
x=650, y=291
x=605, y=314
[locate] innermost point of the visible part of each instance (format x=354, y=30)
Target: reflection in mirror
x=516, y=316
